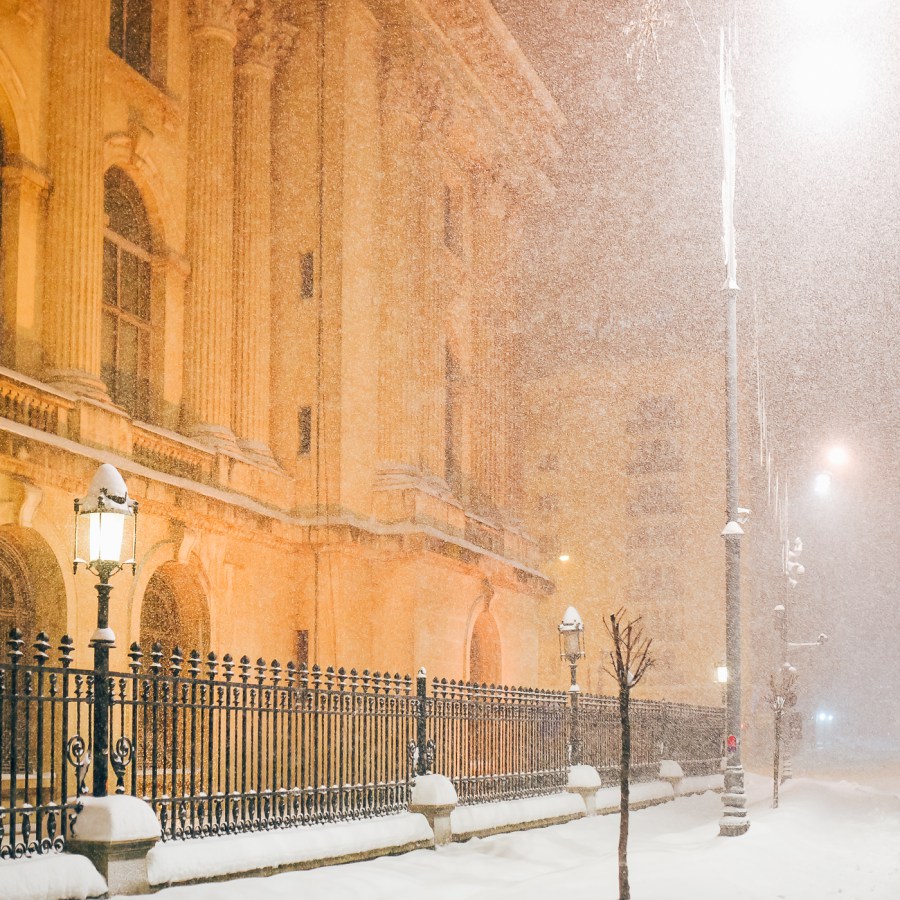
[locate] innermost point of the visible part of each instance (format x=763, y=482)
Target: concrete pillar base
x=116, y=834
x=585, y=780
x=435, y=798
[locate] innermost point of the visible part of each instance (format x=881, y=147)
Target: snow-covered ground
x=828, y=839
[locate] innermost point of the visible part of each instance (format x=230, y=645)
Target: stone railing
x=30, y=403
x=171, y=453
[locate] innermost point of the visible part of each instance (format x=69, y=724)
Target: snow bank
x=214, y=857
x=699, y=784
x=57, y=876
x=826, y=840
x=484, y=818
x=642, y=793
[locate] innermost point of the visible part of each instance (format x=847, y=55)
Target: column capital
x=214, y=15
x=263, y=37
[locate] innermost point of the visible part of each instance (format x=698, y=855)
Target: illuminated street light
x=837, y=456
x=823, y=483
x=828, y=78
x=571, y=649
x=104, y=508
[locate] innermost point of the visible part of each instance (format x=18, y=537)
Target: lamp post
x=722, y=678
x=793, y=570
x=734, y=819
x=571, y=649
x=104, y=508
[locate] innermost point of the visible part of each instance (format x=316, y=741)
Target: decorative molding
x=263, y=37
x=189, y=539
x=220, y=15
x=30, y=502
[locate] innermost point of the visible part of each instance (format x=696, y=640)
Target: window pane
x=123, y=205
x=117, y=27
x=142, y=406
x=110, y=266
x=143, y=289
x=129, y=283
x=137, y=35
x=108, y=352
x=128, y=366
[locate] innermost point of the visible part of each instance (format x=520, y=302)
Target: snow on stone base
x=643, y=793
x=668, y=768
x=214, y=857
x=115, y=818
x=583, y=777
x=700, y=784
x=56, y=876
x=484, y=818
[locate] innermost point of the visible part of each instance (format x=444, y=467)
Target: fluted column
x=434, y=346
x=399, y=435
x=209, y=331
x=261, y=40
x=73, y=276
x=489, y=432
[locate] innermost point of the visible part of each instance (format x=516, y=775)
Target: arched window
x=125, y=356
x=174, y=612
x=484, y=651
x=129, y=32
x=16, y=595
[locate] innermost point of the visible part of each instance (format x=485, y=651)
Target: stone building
x=262, y=258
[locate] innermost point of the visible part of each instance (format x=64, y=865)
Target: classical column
x=73, y=274
x=22, y=209
x=209, y=317
x=434, y=346
x=399, y=432
x=296, y=269
x=489, y=431
x=261, y=39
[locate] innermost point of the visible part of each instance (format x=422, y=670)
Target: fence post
x=422, y=763
x=575, y=728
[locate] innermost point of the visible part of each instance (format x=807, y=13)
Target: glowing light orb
x=823, y=483
x=837, y=456
x=828, y=79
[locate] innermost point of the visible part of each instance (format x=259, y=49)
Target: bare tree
x=628, y=661
x=782, y=695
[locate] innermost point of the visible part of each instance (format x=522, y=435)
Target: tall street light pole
x=734, y=819
x=105, y=508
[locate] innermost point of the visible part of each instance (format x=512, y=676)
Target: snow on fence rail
x=219, y=746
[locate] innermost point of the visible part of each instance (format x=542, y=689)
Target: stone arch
x=16, y=119
x=175, y=611
x=484, y=662
x=32, y=589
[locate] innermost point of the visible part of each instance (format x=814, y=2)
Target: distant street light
x=571, y=649
x=104, y=508
x=823, y=483
x=837, y=456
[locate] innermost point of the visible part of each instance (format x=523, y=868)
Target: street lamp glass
x=105, y=536
x=722, y=674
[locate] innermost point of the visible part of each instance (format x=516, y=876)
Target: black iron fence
x=224, y=746
x=691, y=735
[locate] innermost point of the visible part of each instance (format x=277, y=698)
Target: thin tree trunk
x=776, y=778
x=625, y=790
